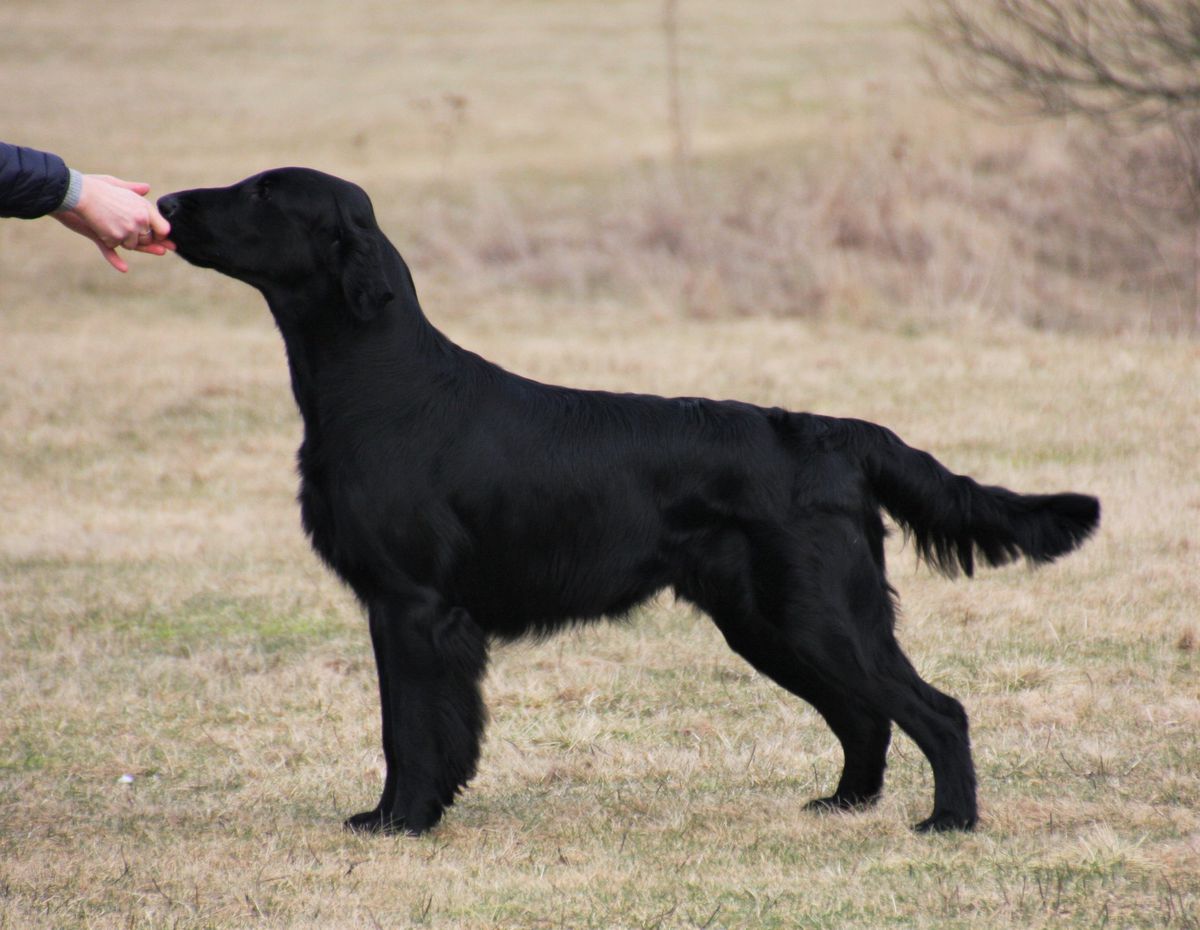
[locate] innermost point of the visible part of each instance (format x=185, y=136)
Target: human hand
x=112, y=213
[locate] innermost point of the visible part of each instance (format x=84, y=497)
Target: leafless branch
x=1136, y=60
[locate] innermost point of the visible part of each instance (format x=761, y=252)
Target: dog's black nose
x=168, y=205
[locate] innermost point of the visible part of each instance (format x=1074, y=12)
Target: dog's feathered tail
x=954, y=519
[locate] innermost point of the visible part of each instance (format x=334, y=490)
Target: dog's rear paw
x=945, y=822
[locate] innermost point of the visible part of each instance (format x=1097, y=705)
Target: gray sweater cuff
x=74, y=189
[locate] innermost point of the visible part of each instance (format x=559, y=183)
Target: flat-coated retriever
x=462, y=504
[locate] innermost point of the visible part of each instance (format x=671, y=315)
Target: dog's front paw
x=374, y=821
x=841, y=803
x=946, y=822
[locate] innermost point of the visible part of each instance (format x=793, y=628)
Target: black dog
x=463, y=504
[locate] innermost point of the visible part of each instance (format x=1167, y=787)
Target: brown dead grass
x=161, y=616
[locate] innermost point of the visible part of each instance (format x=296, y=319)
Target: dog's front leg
x=430, y=659
x=378, y=820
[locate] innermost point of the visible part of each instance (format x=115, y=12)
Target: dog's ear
x=359, y=261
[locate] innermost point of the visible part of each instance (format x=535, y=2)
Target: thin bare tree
x=1123, y=64
x=1135, y=60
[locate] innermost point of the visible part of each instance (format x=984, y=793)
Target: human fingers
x=79, y=225
x=158, y=223
x=111, y=256
x=138, y=187
x=152, y=248
x=134, y=238
x=140, y=225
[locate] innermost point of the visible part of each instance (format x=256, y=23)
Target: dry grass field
x=850, y=244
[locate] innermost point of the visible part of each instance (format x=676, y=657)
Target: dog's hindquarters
x=807, y=604
x=805, y=599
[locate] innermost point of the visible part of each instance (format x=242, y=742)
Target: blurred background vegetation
x=868, y=160
x=947, y=217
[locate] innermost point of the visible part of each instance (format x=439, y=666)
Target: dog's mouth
x=195, y=253
x=191, y=243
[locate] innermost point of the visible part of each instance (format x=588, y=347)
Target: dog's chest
x=318, y=515
x=327, y=511
x=351, y=520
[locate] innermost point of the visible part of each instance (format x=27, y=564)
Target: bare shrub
x=1090, y=236
x=1131, y=59
x=1123, y=65
x=742, y=246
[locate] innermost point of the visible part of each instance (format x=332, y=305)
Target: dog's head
x=285, y=231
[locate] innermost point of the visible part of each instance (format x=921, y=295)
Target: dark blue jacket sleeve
x=32, y=183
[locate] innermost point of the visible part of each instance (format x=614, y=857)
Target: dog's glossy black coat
x=463, y=503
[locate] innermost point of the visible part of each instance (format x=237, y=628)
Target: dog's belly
x=513, y=584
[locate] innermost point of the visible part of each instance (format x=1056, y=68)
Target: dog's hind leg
x=858, y=704
x=731, y=584
x=864, y=735
x=431, y=661
x=865, y=738
x=842, y=622
x=937, y=723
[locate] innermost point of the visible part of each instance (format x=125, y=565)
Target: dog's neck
x=398, y=340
